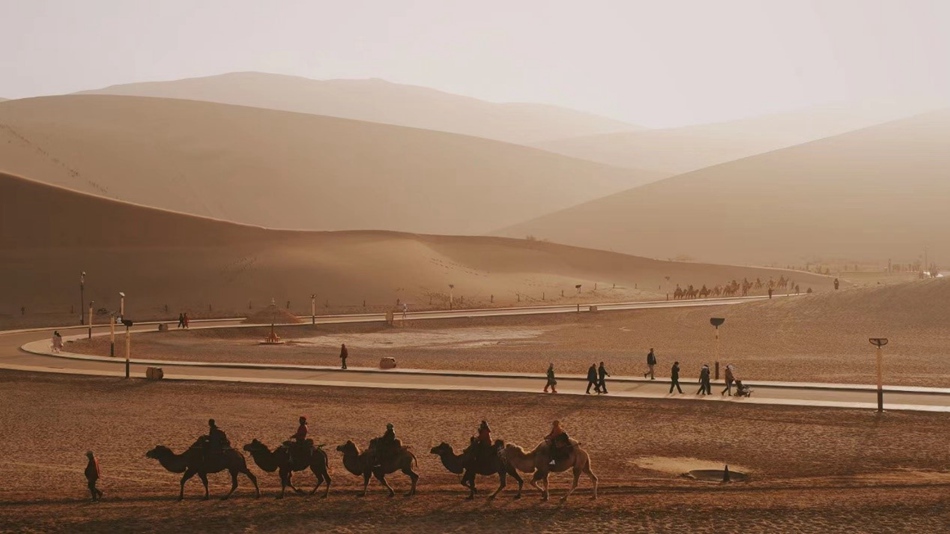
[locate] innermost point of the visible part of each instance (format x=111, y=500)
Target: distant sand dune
x=291, y=170
x=48, y=235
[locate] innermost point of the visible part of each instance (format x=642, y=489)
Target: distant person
x=592, y=378
x=675, y=378
x=602, y=374
x=57, y=341
x=343, y=355
x=185, y=319
x=181, y=320
x=552, y=381
x=770, y=292
x=705, y=388
x=730, y=379
x=405, y=311
x=651, y=363
x=837, y=283
x=93, y=474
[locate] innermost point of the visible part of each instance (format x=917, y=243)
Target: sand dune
x=380, y=101
x=875, y=194
x=680, y=150
x=48, y=235
x=291, y=170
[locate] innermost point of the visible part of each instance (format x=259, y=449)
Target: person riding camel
x=216, y=441
x=386, y=445
x=481, y=444
x=558, y=442
x=299, y=440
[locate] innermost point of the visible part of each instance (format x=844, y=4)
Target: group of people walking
x=596, y=377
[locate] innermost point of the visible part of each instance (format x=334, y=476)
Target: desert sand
x=291, y=170
x=874, y=194
x=815, y=338
x=209, y=267
x=376, y=100
x=689, y=148
x=811, y=469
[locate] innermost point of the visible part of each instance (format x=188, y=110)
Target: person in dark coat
x=343, y=354
x=592, y=378
x=552, y=381
x=602, y=375
x=705, y=388
x=651, y=363
x=675, y=378
x=181, y=320
x=92, y=476
x=730, y=378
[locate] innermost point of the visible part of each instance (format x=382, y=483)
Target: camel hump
x=574, y=442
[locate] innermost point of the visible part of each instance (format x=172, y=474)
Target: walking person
x=705, y=388
x=181, y=320
x=675, y=378
x=602, y=374
x=552, y=381
x=730, y=378
x=92, y=476
x=185, y=320
x=343, y=355
x=651, y=363
x=592, y=379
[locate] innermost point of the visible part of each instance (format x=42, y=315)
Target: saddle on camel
x=215, y=443
x=385, y=447
x=559, y=443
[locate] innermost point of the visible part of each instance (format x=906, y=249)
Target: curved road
x=28, y=350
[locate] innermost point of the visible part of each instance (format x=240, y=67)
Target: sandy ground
x=813, y=470
x=821, y=338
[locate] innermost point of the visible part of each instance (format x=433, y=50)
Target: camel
x=195, y=461
x=279, y=460
x=539, y=462
x=494, y=465
x=364, y=464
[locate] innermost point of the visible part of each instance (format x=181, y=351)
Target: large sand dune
x=689, y=148
x=49, y=235
x=384, y=102
x=874, y=194
x=291, y=170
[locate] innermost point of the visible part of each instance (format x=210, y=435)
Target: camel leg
x=257, y=489
x=534, y=482
x=323, y=476
x=365, y=483
x=188, y=474
x=577, y=475
x=204, y=480
x=593, y=478
x=415, y=478
x=290, y=482
x=234, y=484
x=502, y=482
x=514, y=472
x=468, y=480
x=319, y=478
x=381, y=477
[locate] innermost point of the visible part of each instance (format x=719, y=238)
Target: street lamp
x=128, y=344
x=717, y=322
x=82, y=296
x=121, y=304
x=451, y=299
x=879, y=342
x=112, y=335
x=313, y=308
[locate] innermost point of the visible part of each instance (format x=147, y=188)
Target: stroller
x=743, y=390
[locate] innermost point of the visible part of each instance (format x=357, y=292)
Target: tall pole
x=313, y=308
x=880, y=382
x=451, y=298
x=91, y=302
x=82, y=296
x=121, y=304
x=717, y=322
x=112, y=335
x=128, y=349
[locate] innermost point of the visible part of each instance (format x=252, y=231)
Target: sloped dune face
x=288, y=170
x=874, y=194
x=49, y=235
x=382, y=102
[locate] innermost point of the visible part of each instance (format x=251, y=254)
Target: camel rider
x=299, y=439
x=484, y=435
x=481, y=443
x=387, y=444
x=558, y=442
x=217, y=440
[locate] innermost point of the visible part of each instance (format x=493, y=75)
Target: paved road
x=828, y=395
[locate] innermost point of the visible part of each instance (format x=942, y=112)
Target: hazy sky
x=657, y=62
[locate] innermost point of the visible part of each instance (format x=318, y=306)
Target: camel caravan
x=734, y=288
x=385, y=455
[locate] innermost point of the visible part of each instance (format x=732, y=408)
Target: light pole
x=82, y=296
x=128, y=344
x=121, y=304
x=879, y=342
x=313, y=308
x=91, y=302
x=717, y=322
x=112, y=334
x=451, y=298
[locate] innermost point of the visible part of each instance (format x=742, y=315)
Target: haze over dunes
x=189, y=262
x=877, y=194
x=689, y=148
x=290, y=170
x=380, y=101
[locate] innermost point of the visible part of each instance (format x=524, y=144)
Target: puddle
x=689, y=466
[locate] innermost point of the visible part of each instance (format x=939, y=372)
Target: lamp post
x=313, y=308
x=91, y=302
x=879, y=342
x=128, y=344
x=121, y=304
x=717, y=322
x=451, y=298
x=82, y=296
x=112, y=334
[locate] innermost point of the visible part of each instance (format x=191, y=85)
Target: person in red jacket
x=302, y=430
x=297, y=447
x=92, y=476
